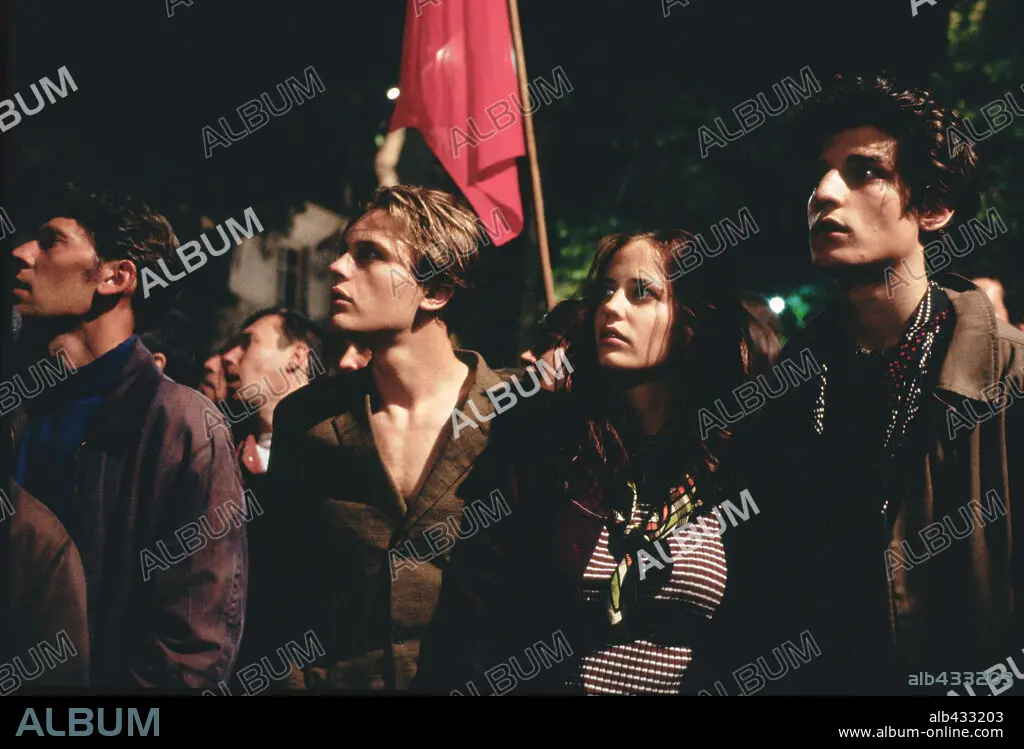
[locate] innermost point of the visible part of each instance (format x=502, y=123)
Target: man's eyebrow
x=371, y=243
x=873, y=157
x=47, y=229
x=236, y=340
x=865, y=155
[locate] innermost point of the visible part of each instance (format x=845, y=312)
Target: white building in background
x=286, y=270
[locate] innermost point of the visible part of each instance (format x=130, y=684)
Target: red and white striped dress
x=656, y=662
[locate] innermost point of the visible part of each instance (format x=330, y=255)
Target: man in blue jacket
x=150, y=494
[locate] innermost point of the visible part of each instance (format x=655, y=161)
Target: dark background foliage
x=619, y=152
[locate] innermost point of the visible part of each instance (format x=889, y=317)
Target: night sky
x=147, y=84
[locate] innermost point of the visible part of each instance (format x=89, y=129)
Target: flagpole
x=531, y=150
x=386, y=163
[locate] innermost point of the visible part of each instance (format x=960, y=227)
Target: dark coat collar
x=121, y=416
x=123, y=413
x=972, y=361
x=971, y=364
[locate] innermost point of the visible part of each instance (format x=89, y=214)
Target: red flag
x=458, y=87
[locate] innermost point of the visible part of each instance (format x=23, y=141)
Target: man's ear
x=434, y=298
x=298, y=360
x=160, y=360
x=117, y=277
x=933, y=218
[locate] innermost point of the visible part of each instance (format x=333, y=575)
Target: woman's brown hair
x=709, y=355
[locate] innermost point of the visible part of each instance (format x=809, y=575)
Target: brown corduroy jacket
x=352, y=564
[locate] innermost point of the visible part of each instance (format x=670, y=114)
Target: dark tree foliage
x=618, y=152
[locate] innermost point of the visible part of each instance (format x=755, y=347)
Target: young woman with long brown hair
x=615, y=551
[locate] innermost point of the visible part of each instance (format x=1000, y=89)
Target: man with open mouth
x=899, y=533
x=121, y=454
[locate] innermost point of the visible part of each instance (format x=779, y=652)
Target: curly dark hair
x=122, y=228
x=711, y=351
x=934, y=170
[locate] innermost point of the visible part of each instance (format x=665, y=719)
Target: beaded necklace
x=907, y=365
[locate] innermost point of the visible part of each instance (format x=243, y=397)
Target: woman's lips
x=612, y=337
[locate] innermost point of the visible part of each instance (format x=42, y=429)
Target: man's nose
x=342, y=266
x=26, y=253
x=829, y=191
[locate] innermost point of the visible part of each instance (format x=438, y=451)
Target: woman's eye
x=647, y=291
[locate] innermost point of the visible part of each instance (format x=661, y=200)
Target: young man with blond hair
x=366, y=461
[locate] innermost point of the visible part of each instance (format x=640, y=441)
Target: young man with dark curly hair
x=122, y=456
x=906, y=571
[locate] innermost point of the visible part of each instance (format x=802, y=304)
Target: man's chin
x=841, y=258
x=26, y=308
x=825, y=254
x=355, y=329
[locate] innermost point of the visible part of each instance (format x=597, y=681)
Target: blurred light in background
x=393, y=93
x=776, y=304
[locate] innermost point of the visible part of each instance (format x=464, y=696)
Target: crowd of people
x=424, y=522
